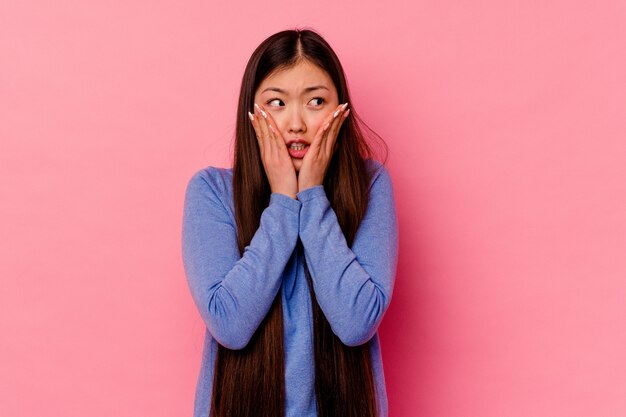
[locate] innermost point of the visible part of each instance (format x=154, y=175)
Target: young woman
x=291, y=255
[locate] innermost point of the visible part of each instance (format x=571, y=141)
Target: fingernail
x=262, y=112
x=272, y=129
x=326, y=126
x=336, y=113
x=344, y=106
x=346, y=113
x=251, y=116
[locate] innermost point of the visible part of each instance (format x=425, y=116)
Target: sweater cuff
x=311, y=193
x=285, y=201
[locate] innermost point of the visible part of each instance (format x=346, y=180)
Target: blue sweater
x=233, y=293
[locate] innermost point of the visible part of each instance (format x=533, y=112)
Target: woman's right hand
x=277, y=163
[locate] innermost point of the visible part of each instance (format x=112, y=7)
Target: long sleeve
x=233, y=293
x=353, y=285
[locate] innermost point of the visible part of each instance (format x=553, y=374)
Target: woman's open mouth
x=298, y=149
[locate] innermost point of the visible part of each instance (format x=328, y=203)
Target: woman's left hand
x=315, y=161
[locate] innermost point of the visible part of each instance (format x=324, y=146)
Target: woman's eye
x=321, y=100
x=273, y=100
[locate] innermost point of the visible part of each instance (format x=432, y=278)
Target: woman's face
x=299, y=99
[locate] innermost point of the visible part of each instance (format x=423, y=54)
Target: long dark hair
x=251, y=381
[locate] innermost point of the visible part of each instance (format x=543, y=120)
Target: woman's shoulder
x=373, y=165
x=220, y=180
x=377, y=170
x=211, y=178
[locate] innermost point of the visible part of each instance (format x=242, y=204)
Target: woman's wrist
x=308, y=181
x=286, y=194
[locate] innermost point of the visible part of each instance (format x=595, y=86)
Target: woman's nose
x=296, y=121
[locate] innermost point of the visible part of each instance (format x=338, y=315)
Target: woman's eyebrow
x=306, y=90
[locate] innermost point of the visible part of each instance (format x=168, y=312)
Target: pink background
x=506, y=123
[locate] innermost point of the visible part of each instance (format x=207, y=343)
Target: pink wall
x=506, y=123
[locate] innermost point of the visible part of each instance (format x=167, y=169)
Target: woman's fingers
x=334, y=133
x=274, y=146
x=257, y=130
x=276, y=139
x=277, y=163
x=270, y=139
x=337, y=120
x=260, y=115
x=329, y=129
x=322, y=132
x=265, y=127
